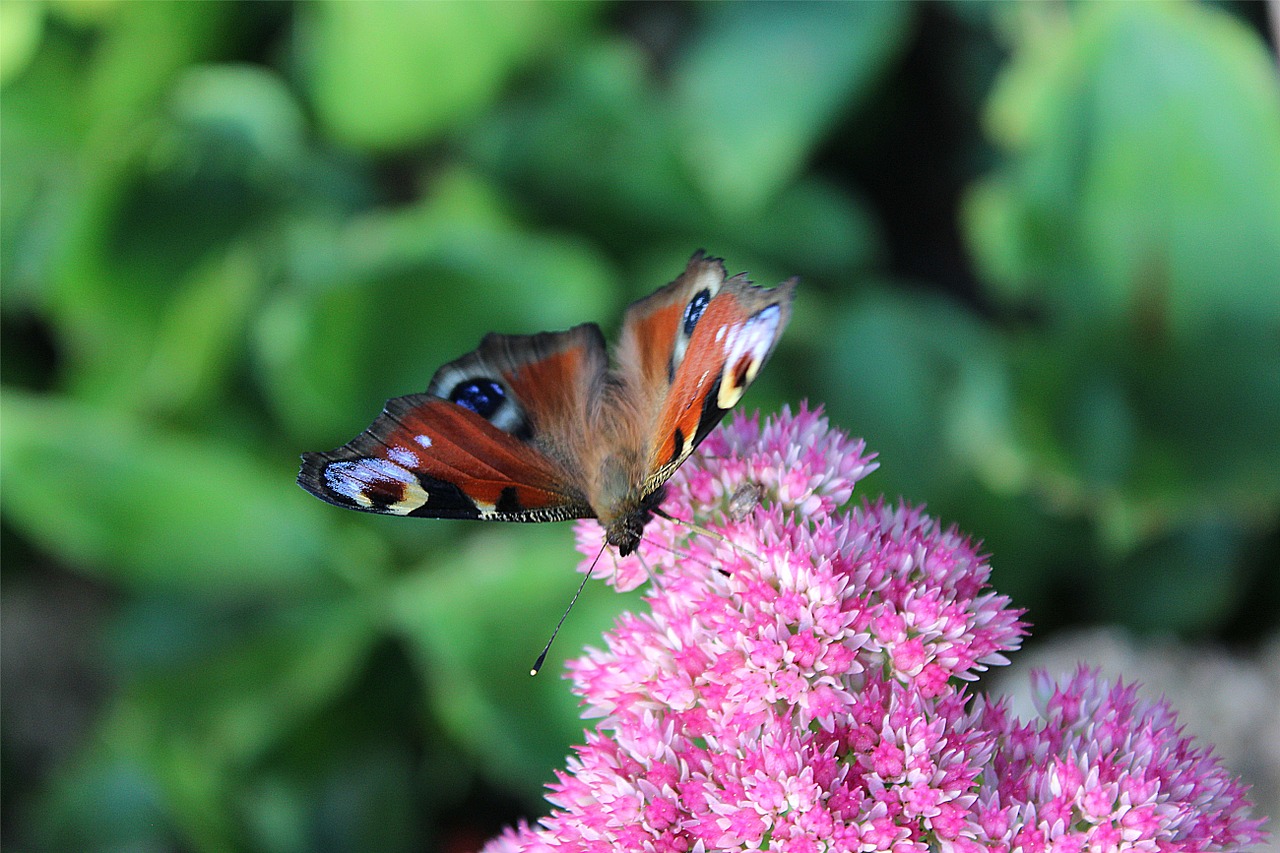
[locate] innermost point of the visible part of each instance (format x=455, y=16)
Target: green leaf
x=42, y=126
x=1144, y=152
x=1136, y=212
x=100, y=311
x=923, y=382
x=476, y=619
x=431, y=65
x=239, y=699
x=635, y=191
x=176, y=744
x=235, y=112
x=810, y=228
x=365, y=798
x=188, y=261
x=377, y=304
x=1213, y=404
x=601, y=101
x=101, y=802
x=202, y=333
x=763, y=82
x=1185, y=581
x=21, y=26
x=110, y=495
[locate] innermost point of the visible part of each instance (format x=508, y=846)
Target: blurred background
x=1040, y=252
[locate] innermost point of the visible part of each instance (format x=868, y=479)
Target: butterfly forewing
x=428, y=457
x=655, y=330
x=733, y=337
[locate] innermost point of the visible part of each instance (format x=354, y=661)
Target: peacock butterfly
x=543, y=428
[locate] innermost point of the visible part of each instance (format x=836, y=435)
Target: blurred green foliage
x=231, y=231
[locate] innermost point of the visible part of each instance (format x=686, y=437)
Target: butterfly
x=543, y=428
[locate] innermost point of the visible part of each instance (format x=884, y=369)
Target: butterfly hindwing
x=538, y=388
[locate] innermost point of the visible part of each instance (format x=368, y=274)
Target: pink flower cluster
x=799, y=684
x=1104, y=770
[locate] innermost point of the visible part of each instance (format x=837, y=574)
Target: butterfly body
x=543, y=428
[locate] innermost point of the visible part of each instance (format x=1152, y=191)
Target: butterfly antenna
x=698, y=528
x=653, y=578
x=542, y=658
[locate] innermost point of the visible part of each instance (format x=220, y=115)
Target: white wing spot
x=404, y=456
x=710, y=277
x=749, y=342
x=353, y=480
x=424, y=440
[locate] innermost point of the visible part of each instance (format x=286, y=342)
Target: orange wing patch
x=729, y=346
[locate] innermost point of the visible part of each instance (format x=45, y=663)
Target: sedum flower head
x=1103, y=769
x=800, y=683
